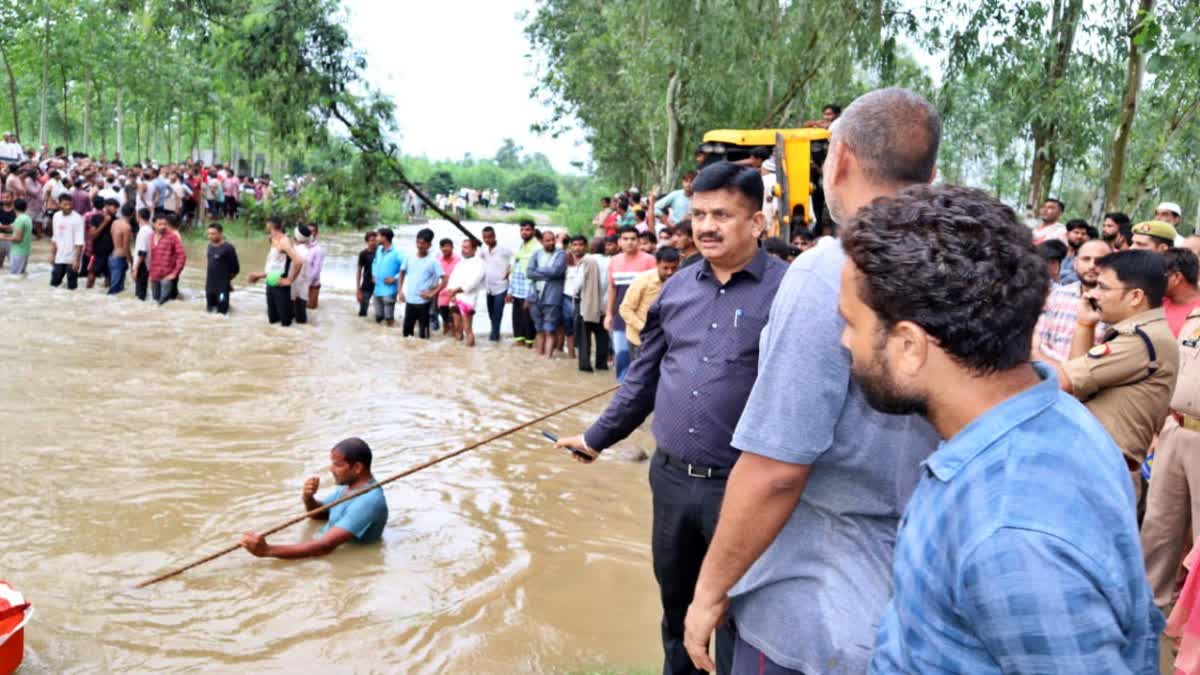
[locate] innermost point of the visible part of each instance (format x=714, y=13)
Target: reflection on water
x=137, y=437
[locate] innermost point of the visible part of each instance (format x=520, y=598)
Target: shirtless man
x=118, y=262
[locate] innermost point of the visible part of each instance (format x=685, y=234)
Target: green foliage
x=534, y=189
x=441, y=182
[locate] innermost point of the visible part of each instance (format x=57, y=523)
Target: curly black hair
x=956, y=262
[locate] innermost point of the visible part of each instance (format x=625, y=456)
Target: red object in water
x=14, y=614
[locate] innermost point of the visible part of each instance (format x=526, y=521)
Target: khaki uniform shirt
x=1187, y=390
x=1127, y=380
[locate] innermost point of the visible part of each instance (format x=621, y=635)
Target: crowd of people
x=941, y=441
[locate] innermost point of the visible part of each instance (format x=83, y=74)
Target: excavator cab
x=798, y=155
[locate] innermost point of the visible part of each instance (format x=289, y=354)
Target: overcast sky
x=458, y=74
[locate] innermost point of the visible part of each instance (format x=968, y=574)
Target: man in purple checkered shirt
x=1019, y=551
x=1056, y=327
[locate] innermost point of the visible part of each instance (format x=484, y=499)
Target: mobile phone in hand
x=578, y=453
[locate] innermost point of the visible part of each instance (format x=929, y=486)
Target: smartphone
x=578, y=453
x=1095, y=305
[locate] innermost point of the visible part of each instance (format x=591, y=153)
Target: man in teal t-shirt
x=21, y=238
x=360, y=519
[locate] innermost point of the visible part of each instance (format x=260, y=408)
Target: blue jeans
x=116, y=274
x=495, y=308
x=620, y=347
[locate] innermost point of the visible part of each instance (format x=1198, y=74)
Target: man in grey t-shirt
x=802, y=554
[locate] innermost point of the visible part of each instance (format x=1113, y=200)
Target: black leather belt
x=694, y=470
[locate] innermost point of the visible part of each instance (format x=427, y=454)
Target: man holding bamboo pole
x=361, y=519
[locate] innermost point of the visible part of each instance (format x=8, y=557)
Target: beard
x=881, y=391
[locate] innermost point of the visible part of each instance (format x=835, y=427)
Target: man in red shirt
x=167, y=259
x=1183, y=295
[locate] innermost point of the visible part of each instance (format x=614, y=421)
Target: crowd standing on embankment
x=941, y=442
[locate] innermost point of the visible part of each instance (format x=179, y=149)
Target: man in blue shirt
x=1019, y=550
x=360, y=519
x=422, y=278
x=385, y=269
x=548, y=272
x=677, y=202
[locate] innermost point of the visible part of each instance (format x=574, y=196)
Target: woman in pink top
x=448, y=260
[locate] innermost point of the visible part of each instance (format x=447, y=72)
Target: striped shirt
x=1056, y=326
x=622, y=270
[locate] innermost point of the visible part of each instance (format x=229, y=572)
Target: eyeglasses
x=1104, y=288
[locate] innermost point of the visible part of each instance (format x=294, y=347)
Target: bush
x=534, y=189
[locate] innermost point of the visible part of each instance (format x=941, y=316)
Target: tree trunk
x=1133, y=84
x=674, y=130
x=1045, y=133
x=45, y=82
x=87, y=123
x=12, y=92
x=62, y=70
x=120, y=149
x=137, y=135
x=1178, y=121
x=195, y=135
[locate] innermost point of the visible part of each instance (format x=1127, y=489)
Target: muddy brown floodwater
x=135, y=437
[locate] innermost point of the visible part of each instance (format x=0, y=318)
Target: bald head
x=894, y=134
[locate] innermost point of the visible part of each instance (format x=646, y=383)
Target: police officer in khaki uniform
x=1153, y=235
x=1173, y=500
x=1126, y=380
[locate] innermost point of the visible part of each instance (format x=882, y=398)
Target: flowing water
x=137, y=437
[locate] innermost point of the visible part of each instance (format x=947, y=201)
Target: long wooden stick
x=407, y=472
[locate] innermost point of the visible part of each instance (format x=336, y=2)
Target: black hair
x=170, y=218
x=275, y=223
x=729, y=176
x=216, y=226
x=144, y=214
x=623, y=203
x=1052, y=249
x=1061, y=206
x=97, y=202
x=1184, y=261
x=425, y=234
x=625, y=229
x=386, y=233
x=444, y=241
x=1092, y=233
x=303, y=230
x=837, y=109
x=1141, y=269
x=612, y=238
x=804, y=233
x=579, y=237
x=956, y=262
x=1078, y=224
x=355, y=451
x=762, y=152
x=606, y=200
x=19, y=205
x=777, y=247
x=370, y=233
x=667, y=254
x=526, y=222
x=127, y=209
x=489, y=228
x=1119, y=218
x=684, y=226
x=648, y=236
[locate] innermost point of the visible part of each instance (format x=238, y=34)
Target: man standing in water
x=385, y=269
x=118, y=262
x=496, y=262
x=66, y=244
x=365, y=282
x=167, y=259
x=141, y=249
x=519, y=290
x=802, y=554
x=222, y=268
x=281, y=269
x=316, y=262
x=422, y=280
x=360, y=519
x=1019, y=551
x=547, y=272
x=698, y=358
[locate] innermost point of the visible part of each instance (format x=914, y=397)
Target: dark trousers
x=217, y=300
x=495, y=307
x=416, y=314
x=141, y=279
x=164, y=290
x=366, y=303
x=279, y=305
x=585, y=331
x=749, y=660
x=64, y=269
x=300, y=310
x=522, y=322
x=685, y=518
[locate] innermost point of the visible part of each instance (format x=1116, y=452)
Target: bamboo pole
x=378, y=485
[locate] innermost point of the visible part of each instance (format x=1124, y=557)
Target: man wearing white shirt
x=66, y=245
x=10, y=149
x=463, y=288
x=141, y=252
x=496, y=262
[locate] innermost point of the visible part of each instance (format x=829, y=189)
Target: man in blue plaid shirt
x=1019, y=550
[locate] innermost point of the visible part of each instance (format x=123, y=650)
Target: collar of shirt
x=1127, y=326
x=755, y=268
x=952, y=455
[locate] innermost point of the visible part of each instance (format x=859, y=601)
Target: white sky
x=457, y=72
